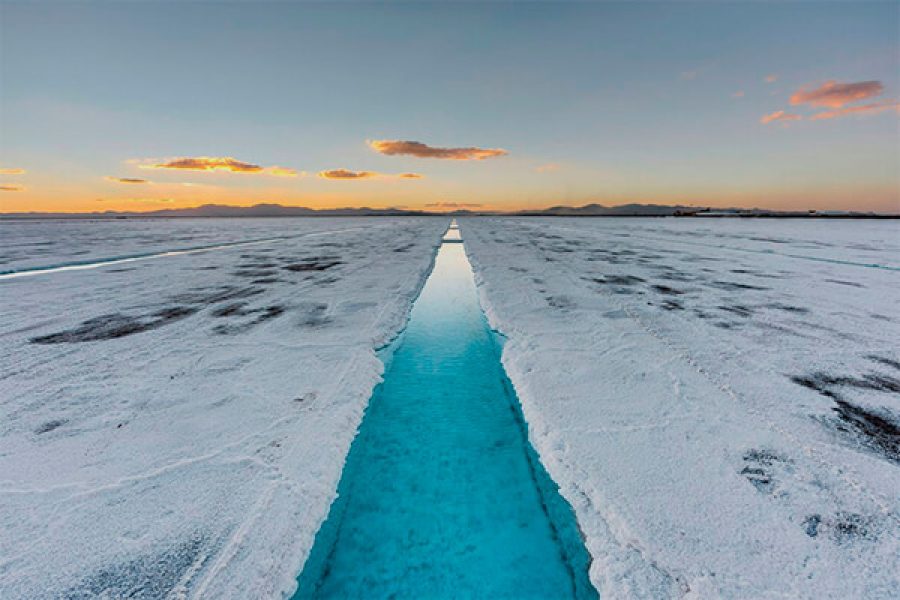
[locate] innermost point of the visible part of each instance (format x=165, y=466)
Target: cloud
x=12, y=171
x=770, y=78
x=219, y=163
x=141, y=200
x=738, y=94
x=348, y=174
x=420, y=150
x=779, y=115
x=126, y=180
x=277, y=171
x=546, y=168
x=864, y=109
x=689, y=75
x=452, y=205
x=832, y=94
x=11, y=188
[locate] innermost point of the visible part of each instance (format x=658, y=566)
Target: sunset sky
x=147, y=105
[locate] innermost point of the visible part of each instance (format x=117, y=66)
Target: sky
x=501, y=106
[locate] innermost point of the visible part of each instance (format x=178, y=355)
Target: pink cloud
x=452, y=205
x=832, y=94
x=779, y=115
x=420, y=150
x=864, y=109
x=348, y=174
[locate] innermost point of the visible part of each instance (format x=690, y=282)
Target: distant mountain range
x=624, y=210
x=588, y=210
x=220, y=210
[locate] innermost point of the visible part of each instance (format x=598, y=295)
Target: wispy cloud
x=841, y=98
x=452, y=205
x=219, y=163
x=12, y=171
x=420, y=150
x=832, y=94
x=139, y=200
x=126, y=180
x=277, y=171
x=348, y=174
x=11, y=188
x=546, y=168
x=779, y=115
x=770, y=78
x=738, y=94
x=864, y=109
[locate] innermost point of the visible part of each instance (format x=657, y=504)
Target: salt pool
x=442, y=495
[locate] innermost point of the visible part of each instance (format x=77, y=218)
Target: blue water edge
x=442, y=495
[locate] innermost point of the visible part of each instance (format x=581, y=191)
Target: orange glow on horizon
x=885, y=199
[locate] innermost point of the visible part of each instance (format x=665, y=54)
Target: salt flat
x=178, y=425
x=719, y=400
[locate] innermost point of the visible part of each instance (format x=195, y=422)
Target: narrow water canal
x=442, y=495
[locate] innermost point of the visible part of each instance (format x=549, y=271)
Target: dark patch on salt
x=878, y=430
x=890, y=362
x=314, y=315
x=312, y=265
x=664, y=289
x=560, y=302
x=788, y=308
x=739, y=310
x=230, y=310
x=842, y=282
x=618, y=280
x=760, y=468
x=825, y=384
x=50, y=426
x=249, y=273
x=847, y=527
x=146, y=577
x=218, y=294
x=734, y=286
x=261, y=315
x=112, y=326
x=811, y=525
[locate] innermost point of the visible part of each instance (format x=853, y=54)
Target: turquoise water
x=442, y=496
